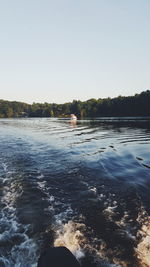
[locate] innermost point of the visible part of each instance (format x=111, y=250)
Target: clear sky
x=60, y=50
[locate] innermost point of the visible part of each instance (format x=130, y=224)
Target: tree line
x=137, y=105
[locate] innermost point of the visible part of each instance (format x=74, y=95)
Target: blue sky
x=57, y=51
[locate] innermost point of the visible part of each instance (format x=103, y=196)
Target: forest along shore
x=137, y=105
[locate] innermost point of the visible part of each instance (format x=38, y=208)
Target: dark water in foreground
x=85, y=186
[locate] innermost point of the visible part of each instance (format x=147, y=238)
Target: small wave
x=68, y=235
x=71, y=235
x=13, y=237
x=143, y=247
x=4, y=165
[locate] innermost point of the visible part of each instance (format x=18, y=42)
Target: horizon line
x=21, y=101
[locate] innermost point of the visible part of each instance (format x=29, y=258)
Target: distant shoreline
x=121, y=106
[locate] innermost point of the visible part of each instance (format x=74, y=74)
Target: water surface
x=84, y=185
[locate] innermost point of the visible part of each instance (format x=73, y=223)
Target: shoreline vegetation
x=137, y=105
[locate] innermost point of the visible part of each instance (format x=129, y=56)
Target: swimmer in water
x=73, y=117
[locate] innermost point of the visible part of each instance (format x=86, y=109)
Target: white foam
x=23, y=254
x=4, y=165
x=41, y=184
x=62, y=216
x=70, y=236
x=93, y=189
x=40, y=176
x=143, y=248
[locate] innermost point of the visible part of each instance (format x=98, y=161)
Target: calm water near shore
x=85, y=186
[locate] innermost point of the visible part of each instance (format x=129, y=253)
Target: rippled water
x=85, y=186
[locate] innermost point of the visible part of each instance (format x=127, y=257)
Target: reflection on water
x=85, y=186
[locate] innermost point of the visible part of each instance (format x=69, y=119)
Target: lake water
x=84, y=185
